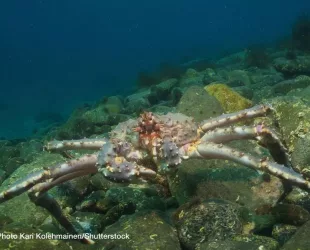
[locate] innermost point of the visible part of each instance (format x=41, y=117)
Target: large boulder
x=197, y=103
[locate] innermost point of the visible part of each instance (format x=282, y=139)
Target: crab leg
x=92, y=144
x=86, y=164
x=40, y=188
x=50, y=204
x=265, y=136
x=218, y=151
x=227, y=119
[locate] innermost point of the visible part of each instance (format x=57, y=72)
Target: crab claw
x=121, y=170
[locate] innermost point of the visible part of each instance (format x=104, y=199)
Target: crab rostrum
x=165, y=140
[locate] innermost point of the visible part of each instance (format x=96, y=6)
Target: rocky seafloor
x=210, y=204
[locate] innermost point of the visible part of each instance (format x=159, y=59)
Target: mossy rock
x=143, y=198
x=242, y=242
x=283, y=232
x=300, y=240
x=239, y=77
x=230, y=100
x=217, y=179
x=298, y=197
x=301, y=154
x=6, y=153
x=261, y=242
x=20, y=208
x=285, y=86
x=197, y=103
x=114, y=105
x=191, y=78
x=146, y=230
x=209, y=220
x=298, y=66
x=293, y=116
x=30, y=149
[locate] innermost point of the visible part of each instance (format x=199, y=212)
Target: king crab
x=165, y=140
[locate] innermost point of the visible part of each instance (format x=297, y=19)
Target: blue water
x=57, y=54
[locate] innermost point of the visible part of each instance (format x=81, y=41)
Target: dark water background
x=57, y=54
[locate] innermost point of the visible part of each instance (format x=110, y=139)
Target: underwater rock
x=112, y=109
x=75, y=128
x=298, y=66
x=210, y=75
x=176, y=95
x=97, y=115
x=90, y=222
x=91, y=201
x=217, y=179
x=115, y=119
x=232, y=61
x=13, y=164
x=2, y=175
x=113, y=105
x=300, y=240
x=143, y=198
x=203, y=221
x=192, y=77
x=4, y=220
x=282, y=232
x=245, y=92
x=162, y=91
x=146, y=230
x=165, y=87
x=137, y=102
x=298, y=197
x=4, y=143
x=263, y=77
x=239, y=78
x=30, y=214
x=197, y=103
x=284, y=87
x=301, y=153
x=262, y=93
x=290, y=214
x=109, y=210
x=115, y=213
x=191, y=73
x=143, y=93
x=30, y=149
x=293, y=117
x=301, y=93
x=99, y=182
x=242, y=242
x=94, y=121
x=70, y=193
x=7, y=153
x=161, y=109
x=230, y=100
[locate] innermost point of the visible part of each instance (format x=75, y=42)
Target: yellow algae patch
x=112, y=109
x=230, y=100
